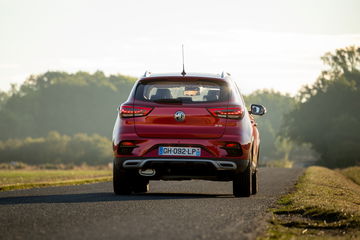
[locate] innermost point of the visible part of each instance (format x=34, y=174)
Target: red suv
x=182, y=127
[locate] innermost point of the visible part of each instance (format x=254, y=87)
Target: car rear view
x=175, y=127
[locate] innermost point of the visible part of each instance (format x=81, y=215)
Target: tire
x=255, y=177
x=242, y=186
x=121, y=181
x=254, y=182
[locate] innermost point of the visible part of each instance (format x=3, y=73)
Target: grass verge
x=22, y=179
x=352, y=172
x=325, y=205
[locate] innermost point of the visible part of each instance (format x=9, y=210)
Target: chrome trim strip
x=219, y=165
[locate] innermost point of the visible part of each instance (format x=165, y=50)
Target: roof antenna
x=183, y=72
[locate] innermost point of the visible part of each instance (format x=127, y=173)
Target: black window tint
x=182, y=91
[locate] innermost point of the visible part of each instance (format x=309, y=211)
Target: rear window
x=182, y=91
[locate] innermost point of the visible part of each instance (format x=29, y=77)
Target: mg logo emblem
x=179, y=116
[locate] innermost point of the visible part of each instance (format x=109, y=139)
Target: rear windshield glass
x=182, y=91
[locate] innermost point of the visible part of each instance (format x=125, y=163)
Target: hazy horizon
x=264, y=44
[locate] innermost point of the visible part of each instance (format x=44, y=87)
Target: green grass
x=20, y=179
x=325, y=205
x=353, y=173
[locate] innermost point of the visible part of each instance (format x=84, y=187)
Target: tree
x=327, y=113
x=67, y=103
x=3, y=98
x=277, y=104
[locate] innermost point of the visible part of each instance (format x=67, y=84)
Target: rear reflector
x=127, y=144
x=232, y=145
x=233, y=149
x=134, y=111
x=227, y=112
x=126, y=147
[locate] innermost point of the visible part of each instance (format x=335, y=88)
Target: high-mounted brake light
x=130, y=111
x=227, y=112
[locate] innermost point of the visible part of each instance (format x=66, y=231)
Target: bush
x=57, y=149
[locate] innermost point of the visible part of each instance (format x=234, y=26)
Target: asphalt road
x=171, y=210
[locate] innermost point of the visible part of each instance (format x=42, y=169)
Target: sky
x=274, y=44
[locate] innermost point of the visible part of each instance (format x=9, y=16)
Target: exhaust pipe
x=147, y=172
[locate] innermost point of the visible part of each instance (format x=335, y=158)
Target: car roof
x=148, y=75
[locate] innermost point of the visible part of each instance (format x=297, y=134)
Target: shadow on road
x=103, y=197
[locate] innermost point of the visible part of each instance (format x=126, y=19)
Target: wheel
x=254, y=182
x=242, y=183
x=121, y=181
x=141, y=185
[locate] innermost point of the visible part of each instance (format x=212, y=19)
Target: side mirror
x=257, y=109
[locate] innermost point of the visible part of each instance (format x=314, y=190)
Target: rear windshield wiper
x=168, y=100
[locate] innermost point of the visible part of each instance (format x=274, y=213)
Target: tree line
x=327, y=113
x=56, y=148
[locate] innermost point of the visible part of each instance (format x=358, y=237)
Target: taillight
x=233, y=149
x=227, y=112
x=133, y=111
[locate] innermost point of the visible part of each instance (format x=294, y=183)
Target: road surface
x=171, y=210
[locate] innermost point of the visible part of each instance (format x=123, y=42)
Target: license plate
x=180, y=151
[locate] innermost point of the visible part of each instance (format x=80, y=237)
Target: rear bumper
x=210, y=148
x=184, y=168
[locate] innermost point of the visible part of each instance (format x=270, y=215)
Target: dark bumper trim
x=140, y=163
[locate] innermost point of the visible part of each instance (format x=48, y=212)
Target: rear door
x=180, y=108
